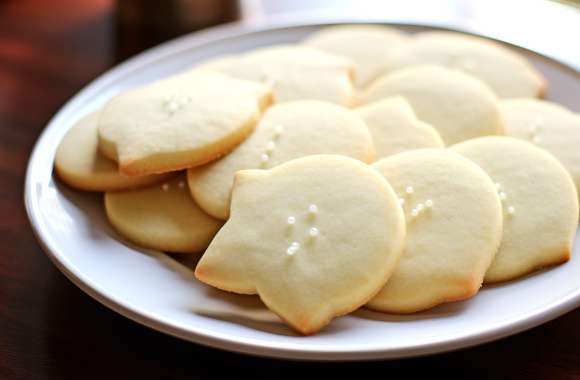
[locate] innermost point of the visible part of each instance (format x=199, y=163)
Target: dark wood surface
x=49, y=329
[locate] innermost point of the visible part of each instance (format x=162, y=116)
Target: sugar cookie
x=315, y=237
x=395, y=128
x=539, y=200
x=506, y=72
x=162, y=217
x=79, y=163
x=367, y=45
x=294, y=72
x=459, y=106
x=179, y=122
x=454, y=225
x=287, y=131
x=548, y=126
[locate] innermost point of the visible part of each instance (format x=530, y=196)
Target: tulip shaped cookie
x=162, y=217
x=79, y=163
x=395, y=128
x=546, y=125
x=367, y=45
x=459, y=106
x=454, y=225
x=315, y=238
x=539, y=200
x=294, y=72
x=287, y=131
x=179, y=122
x=505, y=71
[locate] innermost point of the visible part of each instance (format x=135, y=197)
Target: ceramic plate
x=158, y=291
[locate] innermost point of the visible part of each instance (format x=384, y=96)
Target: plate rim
x=246, y=345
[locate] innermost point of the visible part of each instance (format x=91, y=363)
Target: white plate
x=151, y=289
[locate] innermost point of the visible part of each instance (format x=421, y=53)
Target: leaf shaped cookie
x=454, y=225
x=294, y=72
x=287, y=131
x=458, y=105
x=368, y=46
x=315, y=238
x=539, y=200
x=162, y=217
x=395, y=128
x=179, y=122
x=547, y=125
x=79, y=163
x=505, y=71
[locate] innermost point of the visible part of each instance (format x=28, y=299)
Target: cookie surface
x=294, y=72
x=548, y=126
x=315, y=237
x=79, y=163
x=179, y=122
x=459, y=106
x=395, y=128
x=539, y=200
x=454, y=225
x=368, y=46
x=506, y=72
x=287, y=131
x=162, y=217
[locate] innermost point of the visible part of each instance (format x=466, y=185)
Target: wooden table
x=49, y=329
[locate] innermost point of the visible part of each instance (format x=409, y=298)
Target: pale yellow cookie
x=367, y=45
x=539, y=200
x=287, y=131
x=395, y=128
x=179, y=122
x=162, y=217
x=454, y=225
x=294, y=72
x=548, y=126
x=505, y=71
x=79, y=163
x=315, y=238
x=459, y=106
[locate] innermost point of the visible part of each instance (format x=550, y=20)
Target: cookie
x=548, y=126
x=315, y=238
x=505, y=71
x=368, y=46
x=294, y=72
x=395, y=128
x=459, y=106
x=179, y=122
x=162, y=217
x=539, y=200
x=287, y=131
x=79, y=164
x=454, y=226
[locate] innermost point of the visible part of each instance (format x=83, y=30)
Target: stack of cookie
x=361, y=167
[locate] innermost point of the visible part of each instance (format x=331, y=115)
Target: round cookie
x=458, y=105
x=79, y=163
x=179, y=122
x=287, y=131
x=454, y=225
x=506, y=72
x=315, y=238
x=162, y=217
x=539, y=200
x=395, y=128
x=548, y=126
x=368, y=46
x=294, y=72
